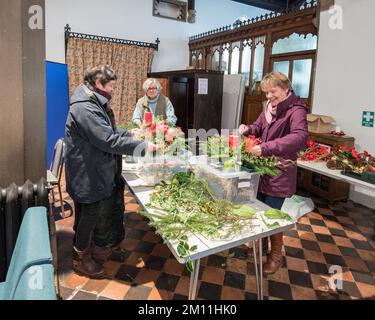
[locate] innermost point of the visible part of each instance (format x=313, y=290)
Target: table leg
x=256, y=268
x=261, y=269
x=194, y=280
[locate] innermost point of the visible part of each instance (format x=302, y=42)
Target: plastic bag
x=297, y=206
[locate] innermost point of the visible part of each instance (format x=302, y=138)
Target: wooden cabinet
x=195, y=109
x=320, y=185
x=253, y=106
x=331, y=140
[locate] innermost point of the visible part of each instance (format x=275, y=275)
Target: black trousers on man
x=101, y=222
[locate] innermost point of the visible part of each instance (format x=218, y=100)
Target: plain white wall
x=133, y=20
x=345, y=76
x=345, y=73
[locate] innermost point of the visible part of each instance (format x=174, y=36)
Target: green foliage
x=277, y=214
x=262, y=165
x=127, y=126
x=218, y=148
x=185, y=205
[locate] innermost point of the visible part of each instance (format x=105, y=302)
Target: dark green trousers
x=101, y=222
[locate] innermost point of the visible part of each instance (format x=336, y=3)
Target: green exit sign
x=368, y=119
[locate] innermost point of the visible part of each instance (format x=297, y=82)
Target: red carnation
x=355, y=154
x=310, y=143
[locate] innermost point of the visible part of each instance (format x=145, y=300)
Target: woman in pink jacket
x=282, y=128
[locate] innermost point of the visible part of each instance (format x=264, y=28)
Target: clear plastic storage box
x=236, y=186
x=153, y=170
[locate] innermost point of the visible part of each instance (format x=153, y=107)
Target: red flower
x=355, y=154
x=310, y=143
x=366, y=153
x=234, y=141
x=250, y=143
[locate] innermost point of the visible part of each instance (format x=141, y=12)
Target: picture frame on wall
x=170, y=9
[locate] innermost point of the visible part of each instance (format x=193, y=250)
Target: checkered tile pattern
x=340, y=235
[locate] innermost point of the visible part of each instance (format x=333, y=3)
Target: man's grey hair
x=149, y=82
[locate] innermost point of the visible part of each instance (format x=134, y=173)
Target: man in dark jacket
x=94, y=146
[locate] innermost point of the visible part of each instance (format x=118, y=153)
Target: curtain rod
x=70, y=34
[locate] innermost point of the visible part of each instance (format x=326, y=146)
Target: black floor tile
x=370, y=265
x=209, y=291
x=82, y=295
x=337, y=232
x=138, y=293
x=333, y=259
x=251, y=296
x=369, y=236
x=317, y=222
x=300, y=278
x=65, y=293
x=104, y=298
x=325, y=238
x=144, y=247
x=350, y=289
x=304, y=227
x=279, y=290
x=217, y=261
x=127, y=273
x=310, y=245
x=155, y=263
x=317, y=268
x=234, y=280
x=363, y=277
x=330, y=218
x=167, y=282
x=119, y=256
x=363, y=245
x=294, y=252
x=291, y=233
x=349, y=252
x=351, y=227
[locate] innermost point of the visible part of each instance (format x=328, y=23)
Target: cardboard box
x=319, y=123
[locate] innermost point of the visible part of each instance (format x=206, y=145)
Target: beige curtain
x=131, y=63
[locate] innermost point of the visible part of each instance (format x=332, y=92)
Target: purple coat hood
x=284, y=137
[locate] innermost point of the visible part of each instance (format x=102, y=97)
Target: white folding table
x=206, y=247
x=321, y=168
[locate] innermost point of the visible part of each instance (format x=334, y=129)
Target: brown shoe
x=274, y=258
x=84, y=264
x=100, y=254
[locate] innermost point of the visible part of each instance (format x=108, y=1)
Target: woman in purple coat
x=282, y=128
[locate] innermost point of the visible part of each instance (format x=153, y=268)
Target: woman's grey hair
x=149, y=82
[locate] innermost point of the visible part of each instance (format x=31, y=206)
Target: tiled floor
x=333, y=235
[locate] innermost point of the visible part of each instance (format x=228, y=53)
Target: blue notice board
x=57, y=103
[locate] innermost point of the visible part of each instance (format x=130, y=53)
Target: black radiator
x=14, y=201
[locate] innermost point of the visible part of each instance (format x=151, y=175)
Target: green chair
x=31, y=274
